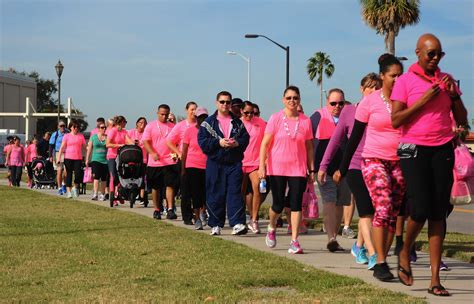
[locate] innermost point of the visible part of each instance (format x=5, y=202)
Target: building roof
x=18, y=77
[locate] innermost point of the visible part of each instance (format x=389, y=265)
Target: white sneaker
x=68, y=195
x=101, y=197
x=74, y=192
x=216, y=230
x=239, y=229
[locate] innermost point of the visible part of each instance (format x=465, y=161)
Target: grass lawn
x=57, y=250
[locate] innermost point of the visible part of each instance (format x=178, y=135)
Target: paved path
x=459, y=280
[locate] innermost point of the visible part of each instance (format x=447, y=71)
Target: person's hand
x=261, y=172
x=321, y=177
x=233, y=143
x=155, y=157
x=431, y=93
x=224, y=143
x=87, y=163
x=336, y=177
x=311, y=177
x=449, y=85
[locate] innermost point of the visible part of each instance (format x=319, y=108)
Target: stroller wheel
x=133, y=197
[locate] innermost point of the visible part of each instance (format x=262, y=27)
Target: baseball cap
x=200, y=111
x=237, y=102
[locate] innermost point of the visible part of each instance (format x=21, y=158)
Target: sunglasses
x=256, y=113
x=249, y=113
x=75, y=127
x=433, y=54
x=62, y=126
x=102, y=127
x=292, y=98
x=339, y=103
x=227, y=102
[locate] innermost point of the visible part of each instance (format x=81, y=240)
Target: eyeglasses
x=249, y=113
x=292, y=98
x=75, y=127
x=62, y=126
x=102, y=127
x=256, y=113
x=433, y=54
x=339, y=103
x=227, y=102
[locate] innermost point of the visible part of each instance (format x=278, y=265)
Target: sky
x=126, y=57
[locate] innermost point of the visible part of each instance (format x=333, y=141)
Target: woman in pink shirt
x=72, y=146
x=15, y=161
x=193, y=170
x=31, y=154
x=380, y=163
x=286, y=155
x=116, y=138
x=424, y=102
x=256, y=128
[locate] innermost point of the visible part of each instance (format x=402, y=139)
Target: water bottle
x=263, y=186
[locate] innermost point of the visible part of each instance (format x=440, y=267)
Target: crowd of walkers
x=390, y=155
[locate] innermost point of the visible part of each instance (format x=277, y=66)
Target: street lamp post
x=248, y=70
x=59, y=71
x=286, y=49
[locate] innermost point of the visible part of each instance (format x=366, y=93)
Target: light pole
x=59, y=71
x=248, y=70
x=287, y=50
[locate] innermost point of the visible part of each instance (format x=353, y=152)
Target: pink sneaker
x=295, y=248
x=270, y=239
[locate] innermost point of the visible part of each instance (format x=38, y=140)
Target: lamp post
x=286, y=49
x=248, y=69
x=59, y=71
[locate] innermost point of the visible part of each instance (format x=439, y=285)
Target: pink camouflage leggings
x=387, y=188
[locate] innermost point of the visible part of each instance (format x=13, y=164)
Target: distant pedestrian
x=16, y=161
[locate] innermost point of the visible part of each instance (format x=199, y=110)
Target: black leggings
x=429, y=179
x=296, y=185
x=193, y=190
x=73, y=165
x=363, y=202
x=15, y=175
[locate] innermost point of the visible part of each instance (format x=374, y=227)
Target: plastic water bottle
x=263, y=186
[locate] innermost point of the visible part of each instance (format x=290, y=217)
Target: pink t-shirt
x=73, y=146
x=137, y=136
x=287, y=153
x=5, y=151
x=115, y=137
x=177, y=133
x=381, y=140
x=157, y=133
x=17, y=156
x=256, y=129
x=225, y=124
x=432, y=126
x=195, y=158
x=30, y=153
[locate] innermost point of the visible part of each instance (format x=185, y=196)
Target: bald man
x=423, y=100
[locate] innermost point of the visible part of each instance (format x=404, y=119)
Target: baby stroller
x=130, y=169
x=44, y=175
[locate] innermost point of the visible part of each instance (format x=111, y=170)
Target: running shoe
x=295, y=248
x=198, y=225
x=239, y=229
x=348, y=233
x=106, y=197
x=188, y=222
x=253, y=226
x=157, y=215
x=60, y=191
x=355, y=249
x=361, y=257
x=270, y=239
x=74, y=192
x=372, y=261
x=63, y=187
x=334, y=246
x=95, y=197
x=68, y=195
x=382, y=272
x=442, y=267
x=216, y=230
x=171, y=215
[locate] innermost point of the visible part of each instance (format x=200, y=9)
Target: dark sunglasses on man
x=434, y=53
x=227, y=102
x=338, y=103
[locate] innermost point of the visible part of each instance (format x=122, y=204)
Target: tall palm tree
x=387, y=17
x=318, y=65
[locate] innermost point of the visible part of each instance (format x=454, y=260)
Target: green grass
x=54, y=250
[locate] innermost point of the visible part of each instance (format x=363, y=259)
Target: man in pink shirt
x=162, y=170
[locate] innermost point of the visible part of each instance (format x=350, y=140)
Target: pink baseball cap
x=200, y=111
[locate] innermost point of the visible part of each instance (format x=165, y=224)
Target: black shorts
x=361, y=194
x=296, y=185
x=193, y=187
x=160, y=177
x=100, y=171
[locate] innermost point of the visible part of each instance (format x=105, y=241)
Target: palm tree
x=387, y=17
x=317, y=65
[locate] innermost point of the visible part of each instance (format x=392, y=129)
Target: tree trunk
x=390, y=42
x=321, y=88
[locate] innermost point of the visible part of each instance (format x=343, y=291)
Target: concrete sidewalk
x=459, y=280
